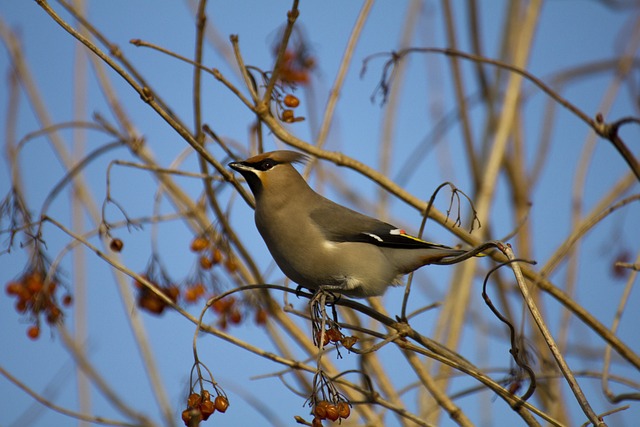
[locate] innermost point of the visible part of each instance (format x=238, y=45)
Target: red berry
x=33, y=332
x=67, y=300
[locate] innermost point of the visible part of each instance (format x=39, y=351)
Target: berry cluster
x=200, y=407
x=325, y=410
x=211, y=255
x=150, y=301
x=194, y=292
x=37, y=299
x=296, y=66
x=334, y=335
x=288, y=116
x=228, y=311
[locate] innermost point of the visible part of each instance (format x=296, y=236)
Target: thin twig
x=564, y=368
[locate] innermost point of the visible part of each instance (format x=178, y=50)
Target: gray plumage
x=320, y=244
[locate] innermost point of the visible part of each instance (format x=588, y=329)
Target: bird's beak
x=237, y=166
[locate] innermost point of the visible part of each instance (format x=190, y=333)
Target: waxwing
x=320, y=244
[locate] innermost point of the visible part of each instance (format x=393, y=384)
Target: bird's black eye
x=266, y=164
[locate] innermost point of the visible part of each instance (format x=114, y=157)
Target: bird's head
x=272, y=171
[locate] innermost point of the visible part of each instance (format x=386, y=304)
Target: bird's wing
x=340, y=224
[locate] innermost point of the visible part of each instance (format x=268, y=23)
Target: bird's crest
x=282, y=156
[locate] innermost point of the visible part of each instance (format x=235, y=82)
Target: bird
x=322, y=245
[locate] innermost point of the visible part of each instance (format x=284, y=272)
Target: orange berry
x=33, y=277
x=152, y=303
x=343, y=409
x=199, y=244
x=21, y=305
x=13, y=288
x=199, y=289
x=332, y=412
x=186, y=416
x=193, y=293
x=320, y=410
x=34, y=285
x=223, y=305
x=193, y=400
x=316, y=422
x=221, y=403
x=53, y=315
x=138, y=284
x=334, y=335
x=325, y=339
x=207, y=408
x=172, y=292
x=67, y=300
x=288, y=116
x=205, y=262
x=190, y=295
x=231, y=265
x=216, y=256
x=222, y=323
x=235, y=317
x=33, y=332
x=191, y=414
x=291, y=101
x=116, y=245
x=51, y=287
x=261, y=316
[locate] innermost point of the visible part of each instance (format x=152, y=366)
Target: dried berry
x=193, y=400
x=186, y=416
x=221, y=404
x=207, y=408
x=325, y=338
x=334, y=335
x=349, y=342
x=291, y=101
x=320, y=410
x=116, y=245
x=199, y=244
x=288, y=116
x=191, y=417
x=332, y=412
x=343, y=409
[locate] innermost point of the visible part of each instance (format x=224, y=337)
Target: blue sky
x=570, y=34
